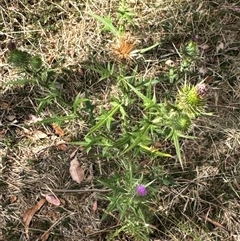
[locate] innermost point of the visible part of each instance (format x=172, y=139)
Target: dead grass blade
x=216, y=224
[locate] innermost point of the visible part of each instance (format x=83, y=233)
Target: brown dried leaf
x=52, y=215
x=45, y=236
x=5, y=106
x=52, y=199
x=3, y=133
x=76, y=172
x=13, y=199
x=80, y=71
x=73, y=154
x=63, y=202
x=58, y=130
x=62, y=147
x=28, y=215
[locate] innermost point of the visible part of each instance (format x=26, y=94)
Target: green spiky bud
x=36, y=63
x=19, y=59
x=180, y=122
x=189, y=101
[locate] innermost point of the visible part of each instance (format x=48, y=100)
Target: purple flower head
x=141, y=190
x=202, y=89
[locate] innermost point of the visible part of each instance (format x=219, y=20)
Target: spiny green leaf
x=138, y=139
x=146, y=100
x=107, y=22
x=104, y=120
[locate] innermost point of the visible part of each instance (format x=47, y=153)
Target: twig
x=81, y=190
x=216, y=224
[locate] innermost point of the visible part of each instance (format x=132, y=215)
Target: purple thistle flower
x=141, y=190
x=202, y=89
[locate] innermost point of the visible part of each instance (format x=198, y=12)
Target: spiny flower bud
x=189, y=101
x=180, y=122
x=36, y=63
x=19, y=58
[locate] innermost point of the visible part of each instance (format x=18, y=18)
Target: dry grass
x=205, y=203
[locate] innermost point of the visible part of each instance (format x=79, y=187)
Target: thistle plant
x=124, y=134
x=135, y=120
x=129, y=202
x=32, y=71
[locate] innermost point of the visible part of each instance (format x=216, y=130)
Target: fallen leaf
x=52, y=215
x=219, y=47
x=52, y=199
x=73, y=154
x=94, y=207
x=28, y=215
x=204, y=46
x=39, y=135
x=170, y=63
x=3, y=133
x=58, y=130
x=62, y=147
x=11, y=118
x=13, y=199
x=80, y=71
x=76, y=172
x=34, y=119
x=5, y=106
x=45, y=236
